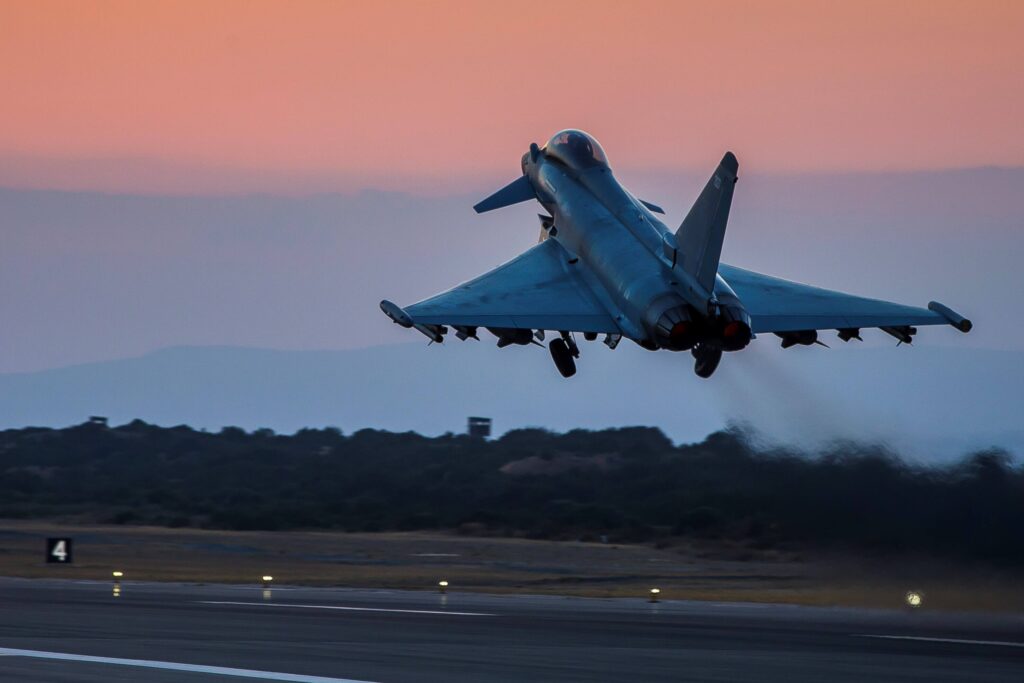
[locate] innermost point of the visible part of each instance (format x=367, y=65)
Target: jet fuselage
x=628, y=251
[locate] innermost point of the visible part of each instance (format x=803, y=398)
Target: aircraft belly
x=626, y=270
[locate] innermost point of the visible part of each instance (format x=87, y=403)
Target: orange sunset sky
x=242, y=96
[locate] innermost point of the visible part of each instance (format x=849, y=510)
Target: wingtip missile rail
x=395, y=312
x=434, y=333
x=955, y=319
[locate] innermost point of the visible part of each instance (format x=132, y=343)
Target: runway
x=80, y=632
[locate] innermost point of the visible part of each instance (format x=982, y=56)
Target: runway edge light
x=655, y=592
x=442, y=585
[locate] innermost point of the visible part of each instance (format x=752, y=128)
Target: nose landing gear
x=707, y=358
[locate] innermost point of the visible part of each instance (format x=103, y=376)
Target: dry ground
x=417, y=560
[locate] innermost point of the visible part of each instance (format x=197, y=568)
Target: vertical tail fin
x=701, y=235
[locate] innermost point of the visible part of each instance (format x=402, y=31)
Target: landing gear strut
x=564, y=352
x=707, y=358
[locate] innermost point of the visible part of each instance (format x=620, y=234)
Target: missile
x=802, y=337
x=464, y=333
x=397, y=315
x=905, y=333
x=848, y=333
x=955, y=319
x=511, y=335
x=434, y=333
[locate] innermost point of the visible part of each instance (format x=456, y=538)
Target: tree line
x=629, y=484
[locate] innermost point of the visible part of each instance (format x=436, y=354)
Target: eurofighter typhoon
x=605, y=265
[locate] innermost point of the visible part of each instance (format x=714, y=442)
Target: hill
x=929, y=403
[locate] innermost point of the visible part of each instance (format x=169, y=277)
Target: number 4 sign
x=58, y=550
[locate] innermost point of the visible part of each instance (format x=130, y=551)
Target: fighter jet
x=606, y=265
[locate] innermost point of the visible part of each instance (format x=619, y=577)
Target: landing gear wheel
x=562, y=356
x=707, y=358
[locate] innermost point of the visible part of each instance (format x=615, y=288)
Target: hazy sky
x=86, y=276
x=297, y=96
x=846, y=118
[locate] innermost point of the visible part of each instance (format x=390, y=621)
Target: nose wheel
x=563, y=357
x=707, y=359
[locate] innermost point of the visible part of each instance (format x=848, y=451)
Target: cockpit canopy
x=576, y=149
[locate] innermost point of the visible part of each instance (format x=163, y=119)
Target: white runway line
x=177, y=666
x=346, y=608
x=960, y=641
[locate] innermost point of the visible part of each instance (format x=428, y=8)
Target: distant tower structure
x=479, y=427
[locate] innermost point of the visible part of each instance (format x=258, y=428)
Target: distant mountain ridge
x=932, y=403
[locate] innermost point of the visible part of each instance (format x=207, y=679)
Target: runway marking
x=347, y=608
x=961, y=641
x=177, y=666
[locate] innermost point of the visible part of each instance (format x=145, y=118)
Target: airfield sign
x=58, y=551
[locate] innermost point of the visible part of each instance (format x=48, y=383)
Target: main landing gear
x=707, y=359
x=564, y=352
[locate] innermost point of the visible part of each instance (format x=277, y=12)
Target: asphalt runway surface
x=79, y=631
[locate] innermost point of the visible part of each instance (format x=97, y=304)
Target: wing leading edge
x=777, y=305
x=537, y=290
